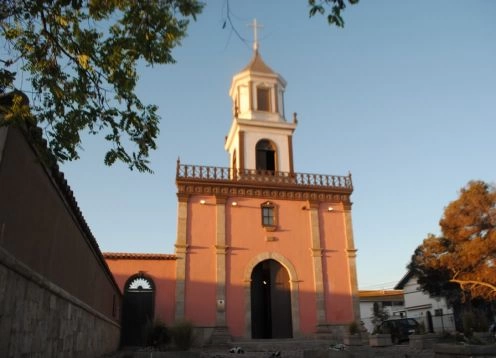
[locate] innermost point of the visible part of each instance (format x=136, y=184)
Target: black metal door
x=137, y=311
x=270, y=301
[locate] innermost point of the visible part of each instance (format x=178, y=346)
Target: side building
x=432, y=311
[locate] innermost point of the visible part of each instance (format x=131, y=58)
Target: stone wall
x=57, y=295
x=39, y=319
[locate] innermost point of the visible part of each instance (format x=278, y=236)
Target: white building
x=432, y=311
x=391, y=301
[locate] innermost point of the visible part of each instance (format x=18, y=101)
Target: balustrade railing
x=206, y=173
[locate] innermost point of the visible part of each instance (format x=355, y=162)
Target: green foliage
x=182, y=335
x=420, y=329
x=353, y=328
x=336, y=7
x=158, y=335
x=474, y=321
x=379, y=315
x=80, y=58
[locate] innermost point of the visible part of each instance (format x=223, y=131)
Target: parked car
x=399, y=328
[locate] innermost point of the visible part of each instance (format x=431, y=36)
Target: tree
x=379, y=314
x=80, y=57
x=336, y=7
x=465, y=254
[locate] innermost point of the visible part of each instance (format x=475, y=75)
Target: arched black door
x=430, y=325
x=137, y=310
x=270, y=301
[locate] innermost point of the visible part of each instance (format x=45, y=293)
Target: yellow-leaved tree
x=465, y=252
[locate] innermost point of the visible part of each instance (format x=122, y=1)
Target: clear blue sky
x=404, y=97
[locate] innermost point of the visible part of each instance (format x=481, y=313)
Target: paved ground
x=295, y=349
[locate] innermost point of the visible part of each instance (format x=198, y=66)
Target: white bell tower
x=260, y=138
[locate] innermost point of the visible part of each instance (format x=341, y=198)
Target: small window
x=263, y=99
x=269, y=215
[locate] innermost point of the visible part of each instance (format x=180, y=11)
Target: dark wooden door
x=137, y=313
x=270, y=301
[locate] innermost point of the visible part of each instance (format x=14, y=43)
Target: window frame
x=268, y=210
x=267, y=100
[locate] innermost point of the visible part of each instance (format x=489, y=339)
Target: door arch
x=271, y=314
x=138, y=307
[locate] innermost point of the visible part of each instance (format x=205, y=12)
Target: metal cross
x=255, y=26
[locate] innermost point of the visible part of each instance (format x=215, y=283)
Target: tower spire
x=255, y=25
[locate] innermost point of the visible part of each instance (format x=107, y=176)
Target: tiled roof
x=137, y=256
x=380, y=293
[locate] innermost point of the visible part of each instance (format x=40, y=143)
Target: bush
x=474, y=321
x=420, y=329
x=353, y=328
x=182, y=334
x=158, y=335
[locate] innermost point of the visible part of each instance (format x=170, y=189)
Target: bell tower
x=260, y=138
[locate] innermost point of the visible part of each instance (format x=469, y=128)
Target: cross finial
x=255, y=26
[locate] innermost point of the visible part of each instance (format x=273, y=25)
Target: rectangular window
x=263, y=99
x=267, y=216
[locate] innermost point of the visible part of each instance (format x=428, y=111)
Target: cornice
x=186, y=188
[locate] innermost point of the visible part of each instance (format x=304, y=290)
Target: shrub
x=474, y=321
x=158, y=335
x=420, y=329
x=182, y=334
x=353, y=328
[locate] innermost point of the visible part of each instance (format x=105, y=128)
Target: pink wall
x=337, y=283
x=246, y=238
x=162, y=272
x=200, y=287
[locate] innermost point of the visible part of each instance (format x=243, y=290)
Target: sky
x=404, y=98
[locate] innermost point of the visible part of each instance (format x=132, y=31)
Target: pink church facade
x=261, y=251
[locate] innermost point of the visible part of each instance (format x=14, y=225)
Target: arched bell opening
x=266, y=158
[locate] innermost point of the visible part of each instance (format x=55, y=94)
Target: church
x=262, y=251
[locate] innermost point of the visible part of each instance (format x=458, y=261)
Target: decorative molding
x=187, y=188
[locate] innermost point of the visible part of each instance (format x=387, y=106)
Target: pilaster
x=181, y=253
x=316, y=252
x=350, y=244
x=220, y=258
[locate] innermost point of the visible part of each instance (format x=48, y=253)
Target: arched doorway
x=430, y=325
x=137, y=310
x=265, y=156
x=270, y=301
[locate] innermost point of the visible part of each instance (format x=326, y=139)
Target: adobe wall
x=161, y=272
x=59, y=294
x=310, y=243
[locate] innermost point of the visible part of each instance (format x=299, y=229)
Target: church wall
x=337, y=286
x=247, y=239
x=200, y=267
x=161, y=272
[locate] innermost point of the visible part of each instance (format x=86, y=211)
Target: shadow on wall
x=248, y=314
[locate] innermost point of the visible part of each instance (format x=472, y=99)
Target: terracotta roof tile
x=380, y=293
x=137, y=256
